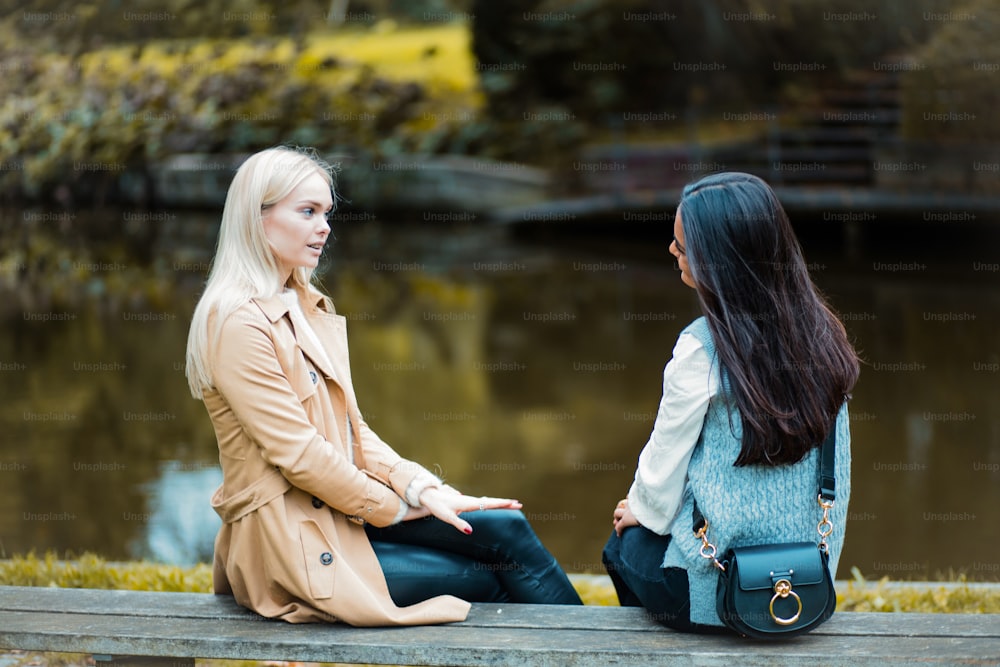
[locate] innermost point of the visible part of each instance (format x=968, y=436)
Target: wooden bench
x=120, y=627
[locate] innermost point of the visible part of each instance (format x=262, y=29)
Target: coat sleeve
x=250, y=379
x=407, y=478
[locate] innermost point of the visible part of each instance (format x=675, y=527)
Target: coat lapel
x=333, y=360
x=332, y=335
x=331, y=330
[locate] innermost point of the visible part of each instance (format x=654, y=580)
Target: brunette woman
x=753, y=388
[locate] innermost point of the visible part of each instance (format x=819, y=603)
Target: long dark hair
x=782, y=351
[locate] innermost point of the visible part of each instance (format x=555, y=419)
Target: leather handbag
x=775, y=591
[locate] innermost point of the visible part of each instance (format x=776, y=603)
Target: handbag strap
x=826, y=497
x=828, y=457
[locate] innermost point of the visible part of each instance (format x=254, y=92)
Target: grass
x=957, y=596
x=92, y=571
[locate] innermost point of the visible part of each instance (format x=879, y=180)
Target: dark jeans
x=634, y=563
x=501, y=561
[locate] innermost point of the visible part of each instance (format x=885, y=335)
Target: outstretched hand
x=446, y=504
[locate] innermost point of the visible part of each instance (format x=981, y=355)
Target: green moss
x=91, y=571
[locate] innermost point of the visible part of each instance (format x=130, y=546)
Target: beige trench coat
x=293, y=505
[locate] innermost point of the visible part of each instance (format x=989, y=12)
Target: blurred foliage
x=77, y=26
x=90, y=117
x=573, y=68
x=93, y=89
x=950, y=95
x=554, y=50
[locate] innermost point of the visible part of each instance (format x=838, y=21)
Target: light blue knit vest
x=751, y=504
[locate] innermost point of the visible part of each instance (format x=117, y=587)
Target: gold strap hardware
x=825, y=527
x=708, y=549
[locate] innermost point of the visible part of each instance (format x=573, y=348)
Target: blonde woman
x=322, y=520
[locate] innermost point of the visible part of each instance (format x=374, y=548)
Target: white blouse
x=689, y=383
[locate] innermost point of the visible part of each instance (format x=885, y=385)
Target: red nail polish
x=468, y=530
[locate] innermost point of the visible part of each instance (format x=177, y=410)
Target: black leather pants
x=501, y=561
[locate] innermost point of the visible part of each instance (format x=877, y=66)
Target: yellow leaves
x=594, y=590
x=235, y=54
x=111, y=61
x=440, y=57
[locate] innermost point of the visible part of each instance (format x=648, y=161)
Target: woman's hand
x=623, y=517
x=446, y=504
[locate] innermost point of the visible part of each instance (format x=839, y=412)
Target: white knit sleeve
x=689, y=382
x=423, y=480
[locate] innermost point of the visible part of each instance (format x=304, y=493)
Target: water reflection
x=528, y=369
x=180, y=524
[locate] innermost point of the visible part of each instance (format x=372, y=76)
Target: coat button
x=317, y=503
x=326, y=558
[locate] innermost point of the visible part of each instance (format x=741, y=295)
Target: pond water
x=516, y=365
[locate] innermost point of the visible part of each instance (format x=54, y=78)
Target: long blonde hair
x=245, y=266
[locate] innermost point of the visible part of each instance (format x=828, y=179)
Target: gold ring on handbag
x=783, y=589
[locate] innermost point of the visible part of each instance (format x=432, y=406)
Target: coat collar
x=274, y=308
x=330, y=329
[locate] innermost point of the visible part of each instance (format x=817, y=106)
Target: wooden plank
x=131, y=603
x=884, y=624
x=636, y=620
x=464, y=645
x=137, y=604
